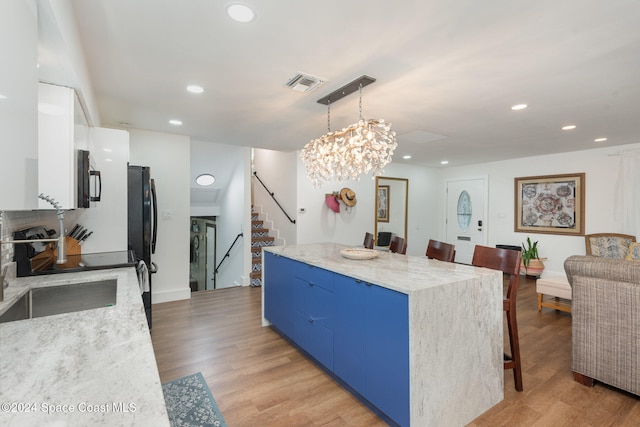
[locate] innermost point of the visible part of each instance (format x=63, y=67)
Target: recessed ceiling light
x=519, y=107
x=108, y=160
x=108, y=150
x=205, y=179
x=407, y=157
x=175, y=122
x=2, y=96
x=240, y=13
x=568, y=127
x=600, y=139
x=444, y=162
x=195, y=89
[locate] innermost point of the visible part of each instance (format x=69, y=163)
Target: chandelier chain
x=360, y=110
x=329, y=116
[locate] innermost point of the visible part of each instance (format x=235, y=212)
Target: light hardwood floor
x=257, y=378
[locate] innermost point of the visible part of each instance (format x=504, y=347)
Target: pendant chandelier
x=364, y=146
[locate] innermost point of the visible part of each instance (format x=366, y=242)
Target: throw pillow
x=634, y=252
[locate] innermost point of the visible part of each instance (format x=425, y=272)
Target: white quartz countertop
x=402, y=273
x=93, y=367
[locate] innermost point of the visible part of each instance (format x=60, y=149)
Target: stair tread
x=262, y=239
x=256, y=274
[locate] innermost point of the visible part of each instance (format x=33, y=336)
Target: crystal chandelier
x=362, y=147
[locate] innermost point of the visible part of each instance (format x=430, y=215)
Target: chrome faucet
x=62, y=247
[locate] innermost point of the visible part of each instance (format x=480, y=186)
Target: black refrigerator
x=143, y=223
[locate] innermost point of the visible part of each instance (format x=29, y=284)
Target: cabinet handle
x=368, y=284
x=358, y=281
x=311, y=284
x=310, y=320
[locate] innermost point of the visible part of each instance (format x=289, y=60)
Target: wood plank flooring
x=257, y=378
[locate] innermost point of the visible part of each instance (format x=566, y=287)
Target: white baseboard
x=167, y=296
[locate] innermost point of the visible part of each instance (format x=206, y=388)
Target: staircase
x=259, y=238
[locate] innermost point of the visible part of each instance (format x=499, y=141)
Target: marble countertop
x=93, y=367
x=402, y=273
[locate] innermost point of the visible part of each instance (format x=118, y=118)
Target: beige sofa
x=606, y=321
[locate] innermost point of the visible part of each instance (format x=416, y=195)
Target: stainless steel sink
x=40, y=302
x=18, y=311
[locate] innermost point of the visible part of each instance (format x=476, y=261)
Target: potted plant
x=531, y=262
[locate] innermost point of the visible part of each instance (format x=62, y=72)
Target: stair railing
x=227, y=254
x=293, y=221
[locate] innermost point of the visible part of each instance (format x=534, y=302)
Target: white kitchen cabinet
x=62, y=128
x=18, y=105
x=108, y=218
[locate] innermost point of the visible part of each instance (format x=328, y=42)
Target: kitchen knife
x=86, y=236
x=77, y=233
x=70, y=234
x=81, y=235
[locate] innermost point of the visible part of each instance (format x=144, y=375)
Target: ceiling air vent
x=304, y=83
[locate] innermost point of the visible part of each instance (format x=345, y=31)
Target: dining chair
x=441, y=250
x=368, y=240
x=398, y=245
x=507, y=261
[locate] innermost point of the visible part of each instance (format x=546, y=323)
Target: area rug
x=190, y=403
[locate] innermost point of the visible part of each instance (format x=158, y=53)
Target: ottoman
x=556, y=287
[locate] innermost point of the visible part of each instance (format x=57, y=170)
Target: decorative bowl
x=359, y=253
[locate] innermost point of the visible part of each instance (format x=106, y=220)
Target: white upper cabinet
x=18, y=105
x=61, y=129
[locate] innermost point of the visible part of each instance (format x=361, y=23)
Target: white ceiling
x=447, y=71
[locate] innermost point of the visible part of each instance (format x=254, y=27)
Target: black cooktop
x=97, y=261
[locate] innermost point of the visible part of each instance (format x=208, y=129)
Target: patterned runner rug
x=190, y=403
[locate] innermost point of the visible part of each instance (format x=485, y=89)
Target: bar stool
x=368, y=240
x=507, y=261
x=441, y=251
x=398, y=245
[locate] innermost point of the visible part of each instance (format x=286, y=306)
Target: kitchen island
x=93, y=367
x=419, y=341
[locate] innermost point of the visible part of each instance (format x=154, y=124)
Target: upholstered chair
x=608, y=245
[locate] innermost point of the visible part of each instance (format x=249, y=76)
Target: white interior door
x=466, y=216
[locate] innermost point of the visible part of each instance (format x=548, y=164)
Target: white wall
x=234, y=217
x=213, y=158
x=601, y=168
x=168, y=156
x=320, y=224
x=277, y=169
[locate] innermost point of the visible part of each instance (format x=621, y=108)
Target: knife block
x=74, y=252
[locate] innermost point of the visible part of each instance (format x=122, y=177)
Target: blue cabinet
x=349, y=337
x=313, y=303
x=387, y=352
x=279, y=276
x=371, y=344
x=357, y=330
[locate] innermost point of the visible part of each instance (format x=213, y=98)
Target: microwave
x=89, y=180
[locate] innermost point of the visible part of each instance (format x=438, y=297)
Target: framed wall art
x=383, y=203
x=552, y=204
